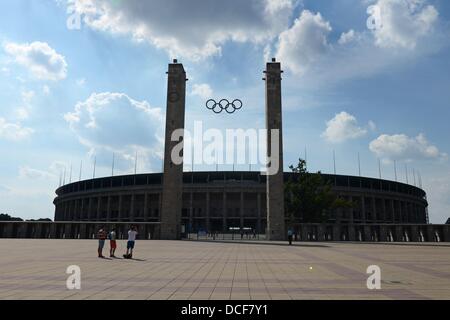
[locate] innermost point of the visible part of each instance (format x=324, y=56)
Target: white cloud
x=402, y=147
x=46, y=90
x=114, y=123
x=347, y=37
x=13, y=131
x=33, y=174
x=27, y=97
x=204, y=91
x=305, y=42
x=404, y=22
x=193, y=29
x=81, y=82
x=410, y=30
x=42, y=61
x=343, y=127
x=22, y=113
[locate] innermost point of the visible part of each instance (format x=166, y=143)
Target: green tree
x=309, y=197
x=7, y=217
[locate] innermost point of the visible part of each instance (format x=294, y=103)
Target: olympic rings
x=224, y=104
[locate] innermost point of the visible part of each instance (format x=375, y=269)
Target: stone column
x=275, y=181
x=241, y=211
x=99, y=208
x=374, y=210
x=208, y=220
x=363, y=209
x=119, y=216
x=224, y=211
x=108, y=209
x=258, y=223
x=66, y=210
x=132, y=213
x=191, y=211
x=383, y=209
x=351, y=232
x=173, y=172
x=90, y=209
x=351, y=218
x=336, y=233
x=146, y=207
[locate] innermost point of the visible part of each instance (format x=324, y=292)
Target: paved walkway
x=36, y=269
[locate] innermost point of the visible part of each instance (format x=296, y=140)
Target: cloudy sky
x=83, y=79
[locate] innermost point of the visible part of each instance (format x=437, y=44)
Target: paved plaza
x=36, y=269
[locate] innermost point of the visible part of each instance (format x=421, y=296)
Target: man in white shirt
x=132, y=233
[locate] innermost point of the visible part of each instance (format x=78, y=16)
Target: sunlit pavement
x=36, y=269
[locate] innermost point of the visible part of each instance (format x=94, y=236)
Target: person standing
x=101, y=235
x=132, y=233
x=113, y=243
x=290, y=235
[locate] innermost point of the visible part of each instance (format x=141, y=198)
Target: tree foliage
x=309, y=197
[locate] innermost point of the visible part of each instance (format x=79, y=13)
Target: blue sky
x=382, y=92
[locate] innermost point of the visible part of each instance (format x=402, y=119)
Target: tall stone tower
x=275, y=181
x=171, y=204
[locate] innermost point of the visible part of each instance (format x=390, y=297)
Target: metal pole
x=334, y=161
x=95, y=163
x=114, y=159
x=395, y=170
x=379, y=167
x=406, y=171
x=359, y=165
x=81, y=168
x=135, y=163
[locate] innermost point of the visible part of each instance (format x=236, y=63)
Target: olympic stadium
x=174, y=204
x=217, y=201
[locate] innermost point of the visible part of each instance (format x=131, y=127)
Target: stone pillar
x=207, y=212
x=90, y=209
x=336, y=233
x=275, y=180
x=351, y=217
x=383, y=233
x=398, y=233
x=374, y=210
x=173, y=172
x=191, y=210
x=82, y=210
x=241, y=209
x=132, y=201
x=351, y=232
x=146, y=207
x=363, y=209
x=383, y=209
x=99, y=207
x=414, y=236
x=119, y=216
x=303, y=233
x=224, y=211
x=393, y=210
x=108, y=209
x=66, y=211
x=258, y=223
x=367, y=233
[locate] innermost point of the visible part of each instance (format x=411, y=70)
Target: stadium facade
x=218, y=201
